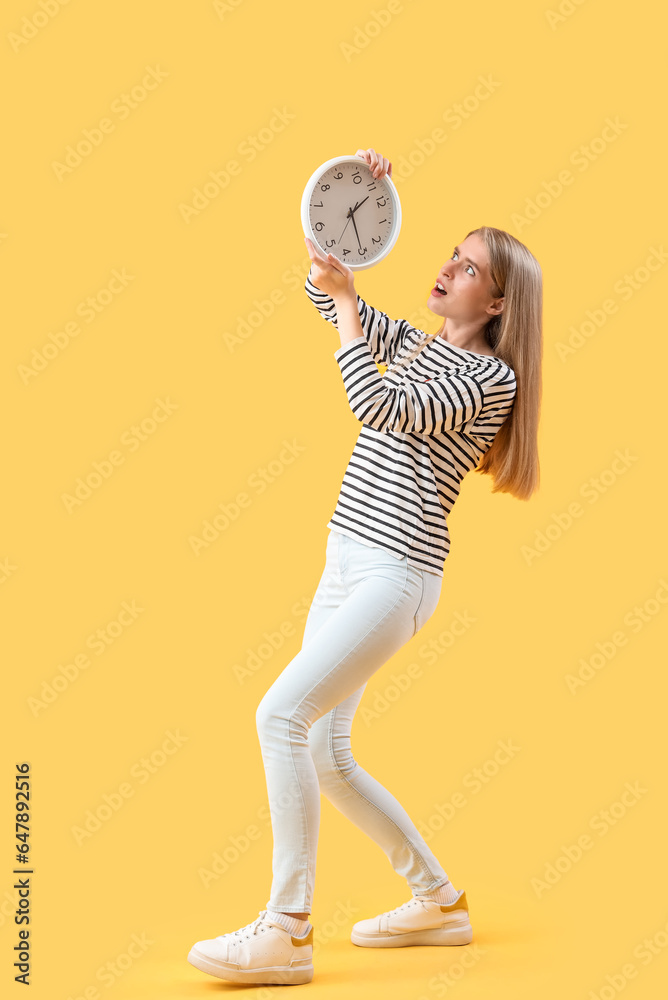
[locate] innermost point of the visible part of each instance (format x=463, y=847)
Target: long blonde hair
x=516, y=337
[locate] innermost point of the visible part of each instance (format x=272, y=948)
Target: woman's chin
x=436, y=305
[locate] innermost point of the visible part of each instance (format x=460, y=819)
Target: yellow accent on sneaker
x=457, y=904
x=419, y=921
x=307, y=939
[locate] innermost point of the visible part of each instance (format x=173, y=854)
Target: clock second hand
x=346, y=226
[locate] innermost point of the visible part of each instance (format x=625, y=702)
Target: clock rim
x=308, y=191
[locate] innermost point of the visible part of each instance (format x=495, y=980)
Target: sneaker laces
x=249, y=929
x=403, y=907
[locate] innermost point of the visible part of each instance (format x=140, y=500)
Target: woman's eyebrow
x=468, y=259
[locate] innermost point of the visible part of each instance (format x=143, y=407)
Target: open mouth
x=438, y=289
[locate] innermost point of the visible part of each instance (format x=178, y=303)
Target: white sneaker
x=260, y=952
x=418, y=922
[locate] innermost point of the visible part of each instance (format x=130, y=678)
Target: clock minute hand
x=350, y=215
x=359, y=242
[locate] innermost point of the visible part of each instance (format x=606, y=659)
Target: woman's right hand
x=379, y=164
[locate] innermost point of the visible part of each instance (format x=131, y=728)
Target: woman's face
x=466, y=280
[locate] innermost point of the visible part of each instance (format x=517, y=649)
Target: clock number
x=357, y=177
x=324, y=187
x=360, y=251
x=318, y=206
x=374, y=240
x=338, y=176
x=330, y=243
x=318, y=226
x=371, y=186
x=380, y=202
x=381, y=221
x=345, y=252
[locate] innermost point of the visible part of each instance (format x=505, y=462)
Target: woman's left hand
x=329, y=274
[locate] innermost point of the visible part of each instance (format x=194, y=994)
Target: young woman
x=467, y=397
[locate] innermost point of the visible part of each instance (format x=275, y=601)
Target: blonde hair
x=516, y=337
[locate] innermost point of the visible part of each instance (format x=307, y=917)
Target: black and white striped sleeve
x=384, y=336
x=431, y=406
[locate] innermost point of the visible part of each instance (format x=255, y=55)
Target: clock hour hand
x=360, y=203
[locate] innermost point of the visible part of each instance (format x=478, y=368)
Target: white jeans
x=367, y=605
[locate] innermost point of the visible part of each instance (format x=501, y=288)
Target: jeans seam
x=307, y=904
x=420, y=603
x=339, y=773
x=306, y=695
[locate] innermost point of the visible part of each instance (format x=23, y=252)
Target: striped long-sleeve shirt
x=425, y=424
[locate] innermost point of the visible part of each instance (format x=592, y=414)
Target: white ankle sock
x=444, y=894
x=294, y=926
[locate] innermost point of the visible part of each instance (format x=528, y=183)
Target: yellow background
x=343, y=76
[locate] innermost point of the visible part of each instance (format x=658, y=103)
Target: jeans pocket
x=429, y=598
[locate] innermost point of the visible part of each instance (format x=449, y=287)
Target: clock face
x=351, y=213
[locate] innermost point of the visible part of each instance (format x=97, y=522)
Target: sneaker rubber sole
x=293, y=975
x=454, y=933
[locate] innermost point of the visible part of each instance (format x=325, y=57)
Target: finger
x=313, y=252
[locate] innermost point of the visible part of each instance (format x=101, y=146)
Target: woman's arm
x=324, y=287
x=385, y=336
x=331, y=285
x=433, y=406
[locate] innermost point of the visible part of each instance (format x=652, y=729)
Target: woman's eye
x=455, y=254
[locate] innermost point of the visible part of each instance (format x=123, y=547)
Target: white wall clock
x=348, y=212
